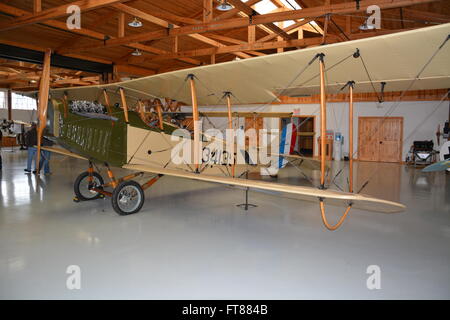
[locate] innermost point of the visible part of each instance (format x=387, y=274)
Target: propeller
x=44, y=87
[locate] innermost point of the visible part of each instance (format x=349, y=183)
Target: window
x=23, y=102
x=2, y=100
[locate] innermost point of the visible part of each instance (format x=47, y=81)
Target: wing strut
x=323, y=120
x=191, y=78
x=323, y=129
x=230, y=126
x=157, y=103
x=108, y=105
x=350, y=134
x=44, y=86
x=124, y=104
x=66, y=104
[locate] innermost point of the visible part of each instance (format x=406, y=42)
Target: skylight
x=265, y=6
x=291, y=4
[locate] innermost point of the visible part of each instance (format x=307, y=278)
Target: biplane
x=116, y=125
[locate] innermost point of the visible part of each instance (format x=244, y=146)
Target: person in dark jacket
x=1, y=161
x=31, y=142
x=45, y=156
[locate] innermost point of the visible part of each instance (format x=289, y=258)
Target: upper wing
x=304, y=193
x=257, y=80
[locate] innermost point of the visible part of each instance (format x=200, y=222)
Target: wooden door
x=390, y=140
x=380, y=139
x=368, y=146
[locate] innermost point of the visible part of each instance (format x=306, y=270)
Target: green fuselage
x=100, y=140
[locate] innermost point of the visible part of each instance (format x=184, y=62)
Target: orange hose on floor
x=324, y=218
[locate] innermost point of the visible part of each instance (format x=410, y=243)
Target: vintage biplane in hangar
x=97, y=123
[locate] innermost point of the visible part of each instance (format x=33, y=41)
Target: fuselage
x=101, y=140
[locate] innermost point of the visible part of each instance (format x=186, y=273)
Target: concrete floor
x=190, y=241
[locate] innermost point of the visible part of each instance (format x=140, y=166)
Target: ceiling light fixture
x=135, y=23
x=136, y=53
x=224, y=6
x=365, y=26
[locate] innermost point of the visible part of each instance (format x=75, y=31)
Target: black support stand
x=246, y=205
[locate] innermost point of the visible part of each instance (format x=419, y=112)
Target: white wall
x=420, y=118
x=21, y=115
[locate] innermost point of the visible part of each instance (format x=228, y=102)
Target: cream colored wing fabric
x=303, y=193
x=395, y=59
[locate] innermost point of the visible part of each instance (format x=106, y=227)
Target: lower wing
x=64, y=152
x=304, y=193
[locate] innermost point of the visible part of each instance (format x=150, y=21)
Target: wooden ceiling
x=179, y=34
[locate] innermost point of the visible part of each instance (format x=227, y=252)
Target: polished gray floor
x=190, y=241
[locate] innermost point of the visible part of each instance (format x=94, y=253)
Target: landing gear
x=84, y=189
x=128, y=198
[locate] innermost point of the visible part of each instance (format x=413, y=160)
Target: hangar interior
x=196, y=239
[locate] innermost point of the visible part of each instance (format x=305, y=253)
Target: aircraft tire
x=81, y=190
x=128, y=198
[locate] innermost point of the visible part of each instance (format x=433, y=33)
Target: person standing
x=31, y=142
x=45, y=156
x=1, y=161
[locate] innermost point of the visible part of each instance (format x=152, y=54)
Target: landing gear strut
x=127, y=196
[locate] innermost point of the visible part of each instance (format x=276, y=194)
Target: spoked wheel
x=128, y=198
x=83, y=189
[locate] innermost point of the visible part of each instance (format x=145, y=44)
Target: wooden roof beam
x=173, y=18
x=240, y=47
x=233, y=41
x=37, y=6
x=87, y=33
x=55, y=13
x=340, y=8
x=426, y=16
x=141, y=14
x=162, y=23
x=287, y=29
x=207, y=10
x=130, y=69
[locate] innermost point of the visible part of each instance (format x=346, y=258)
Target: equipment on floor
x=337, y=146
x=444, y=133
x=444, y=157
x=422, y=153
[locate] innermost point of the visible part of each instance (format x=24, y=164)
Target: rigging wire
x=399, y=100
x=370, y=78
x=416, y=78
